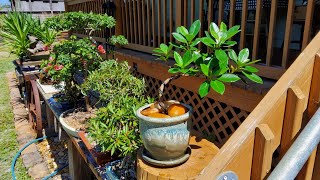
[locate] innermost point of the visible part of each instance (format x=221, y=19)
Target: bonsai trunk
x=88, y=107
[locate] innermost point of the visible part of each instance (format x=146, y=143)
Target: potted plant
x=15, y=29
x=44, y=39
x=114, y=129
x=71, y=62
x=165, y=125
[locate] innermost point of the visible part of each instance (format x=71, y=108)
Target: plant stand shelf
x=82, y=166
x=202, y=152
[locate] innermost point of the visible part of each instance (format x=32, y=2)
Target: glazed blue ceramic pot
x=165, y=138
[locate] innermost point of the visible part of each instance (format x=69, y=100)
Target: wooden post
x=78, y=168
x=308, y=23
x=293, y=117
x=262, y=152
x=118, y=18
x=50, y=117
x=178, y=13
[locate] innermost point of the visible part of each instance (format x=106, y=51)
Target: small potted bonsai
x=114, y=129
x=165, y=125
x=70, y=62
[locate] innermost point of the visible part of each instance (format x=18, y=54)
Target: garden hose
x=19, y=153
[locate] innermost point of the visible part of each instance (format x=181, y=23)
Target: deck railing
x=275, y=122
x=147, y=23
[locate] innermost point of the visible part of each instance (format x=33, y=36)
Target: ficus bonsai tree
x=221, y=65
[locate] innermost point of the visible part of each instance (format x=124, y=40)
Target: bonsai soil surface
x=78, y=118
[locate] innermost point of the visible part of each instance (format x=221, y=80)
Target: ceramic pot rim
x=183, y=117
x=61, y=120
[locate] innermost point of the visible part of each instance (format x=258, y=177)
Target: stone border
x=32, y=160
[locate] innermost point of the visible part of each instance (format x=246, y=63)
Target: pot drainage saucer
x=169, y=163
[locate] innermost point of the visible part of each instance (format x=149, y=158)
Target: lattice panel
x=209, y=116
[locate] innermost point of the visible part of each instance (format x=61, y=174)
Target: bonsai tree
x=167, y=139
x=115, y=127
x=84, y=22
x=15, y=29
x=222, y=65
x=69, y=59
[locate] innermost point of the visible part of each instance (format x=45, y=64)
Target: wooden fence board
x=262, y=153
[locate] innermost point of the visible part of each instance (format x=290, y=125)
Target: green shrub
x=15, y=29
x=69, y=58
x=115, y=128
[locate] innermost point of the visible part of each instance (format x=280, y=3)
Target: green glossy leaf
x=217, y=86
x=214, y=30
x=233, y=55
x=222, y=36
x=173, y=70
x=164, y=48
x=229, y=78
x=179, y=37
x=223, y=27
x=205, y=69
x=184, y=71
x=195, y=42
x=244, y=55
x=189, y=37
x=233, y=31
x=253, y=77
x=222, y=57
x=219, y=71
x=183, y=30
x=208, y=41
x=250, y=69
x=186, y=58
x=178, y=59
x=229, y=43
x=204, y=89
x=195, y=28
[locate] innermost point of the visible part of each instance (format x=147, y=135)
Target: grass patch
x=8, y=142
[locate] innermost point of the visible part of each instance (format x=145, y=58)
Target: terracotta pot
x=165, y=138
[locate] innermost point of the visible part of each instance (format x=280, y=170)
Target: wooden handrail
x=237, y=152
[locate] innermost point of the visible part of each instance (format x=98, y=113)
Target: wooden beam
x=244, y=15
x=308, y=23
x=171, y=20
x=272, y=22
x=256, y=35
x=232, y=12
x=287, y=34
x=178, y=13
x=221, y=12
x=262, y=152
x=154, y=38
x=159, y=22
x=119, y=18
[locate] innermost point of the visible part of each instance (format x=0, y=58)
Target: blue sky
x=4, y=2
